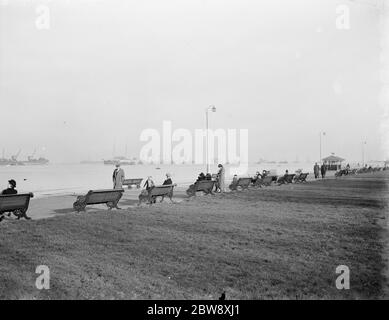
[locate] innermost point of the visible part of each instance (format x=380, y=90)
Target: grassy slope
x=281, y=242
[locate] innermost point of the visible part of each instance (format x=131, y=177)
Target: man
x=316, y=170
x=118, y=177
x=11, y=188
x=323, y=171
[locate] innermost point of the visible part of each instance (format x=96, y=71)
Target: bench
x=301, y=178
x=204, y=185
x=132, y=182
x=156, y=191
x=110, y=197
x=16, y=204
x=266, y=181
x=242, y=183
x=288, y=178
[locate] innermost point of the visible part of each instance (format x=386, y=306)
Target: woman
x=221, y=176
x=149, y=184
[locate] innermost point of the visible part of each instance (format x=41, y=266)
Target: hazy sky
x=106, y=70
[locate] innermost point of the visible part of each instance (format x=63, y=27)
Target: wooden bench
x=132, y=182
x=288, y=178
x=110, y=197
x=157, y=191
x=204, y=185
x=242, y=183
x=266, y=181
x=301, y=178
x=16, y=204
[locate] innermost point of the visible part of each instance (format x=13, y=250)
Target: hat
x=12, y=182
x=117, y=164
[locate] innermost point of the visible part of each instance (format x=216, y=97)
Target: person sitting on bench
x=168, y=180
x=201, y=177
x=256, y=177
x=208, y=176
x=149, y=183
x=11, y=188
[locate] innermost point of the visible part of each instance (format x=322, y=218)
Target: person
x=149, y=183
x=221, y=176
x=118, y=177
x=256, y=177
x=208, y=176
x=316, y=170
x=11, y=188
x=168, y=180
x=201, y=176
x=323, y=171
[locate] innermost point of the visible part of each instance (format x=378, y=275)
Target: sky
x=106, y=70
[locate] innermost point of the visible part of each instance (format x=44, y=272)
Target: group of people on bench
x=220, y=179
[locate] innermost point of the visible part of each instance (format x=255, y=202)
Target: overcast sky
x=106, y=70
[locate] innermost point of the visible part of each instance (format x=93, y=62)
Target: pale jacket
x=118, y=178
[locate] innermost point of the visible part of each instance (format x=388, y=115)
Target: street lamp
x=211, y=108
x=363, y=153
x=320, y=135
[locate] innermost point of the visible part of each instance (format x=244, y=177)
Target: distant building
x=333, y=162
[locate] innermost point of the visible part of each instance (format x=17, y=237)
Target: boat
x=35, y=161
x=121, y=160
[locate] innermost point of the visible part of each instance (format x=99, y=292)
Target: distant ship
x=122, y=160
x=35, y=161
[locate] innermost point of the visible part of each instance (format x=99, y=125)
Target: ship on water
x=10, y=162
x=119, y=159
x=35, y=161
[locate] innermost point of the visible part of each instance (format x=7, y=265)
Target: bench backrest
x=11, y=202
x=204, y=185
x=134, y=181
x=103, y=196
x=267, y=179
x=303, y=176
x=244, y=182
x=161, y=190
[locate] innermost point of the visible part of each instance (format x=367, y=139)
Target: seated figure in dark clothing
x=208, y=176
x=11, y=188
x=201, y=177
x=168, y=180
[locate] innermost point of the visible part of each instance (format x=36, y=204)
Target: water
x=59, y=179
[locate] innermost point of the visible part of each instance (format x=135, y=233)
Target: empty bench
x=132, y=182
x=157, y=191
x=16, y=204
x=110, y=197
x=242, y=183
x=205, y=186
x=302, y=177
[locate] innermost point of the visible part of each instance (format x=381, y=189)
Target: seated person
x=256, y=177
x=234, y=182
x=201, y=177
x=11, y=188
x=168, y=180
x=208, y=176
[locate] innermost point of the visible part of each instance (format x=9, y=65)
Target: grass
x=275, y=243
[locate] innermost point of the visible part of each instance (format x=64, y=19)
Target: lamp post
x=363, y=153
x=213, y=109
x=320, y=142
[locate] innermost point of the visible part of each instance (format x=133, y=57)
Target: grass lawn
x=271, y=243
